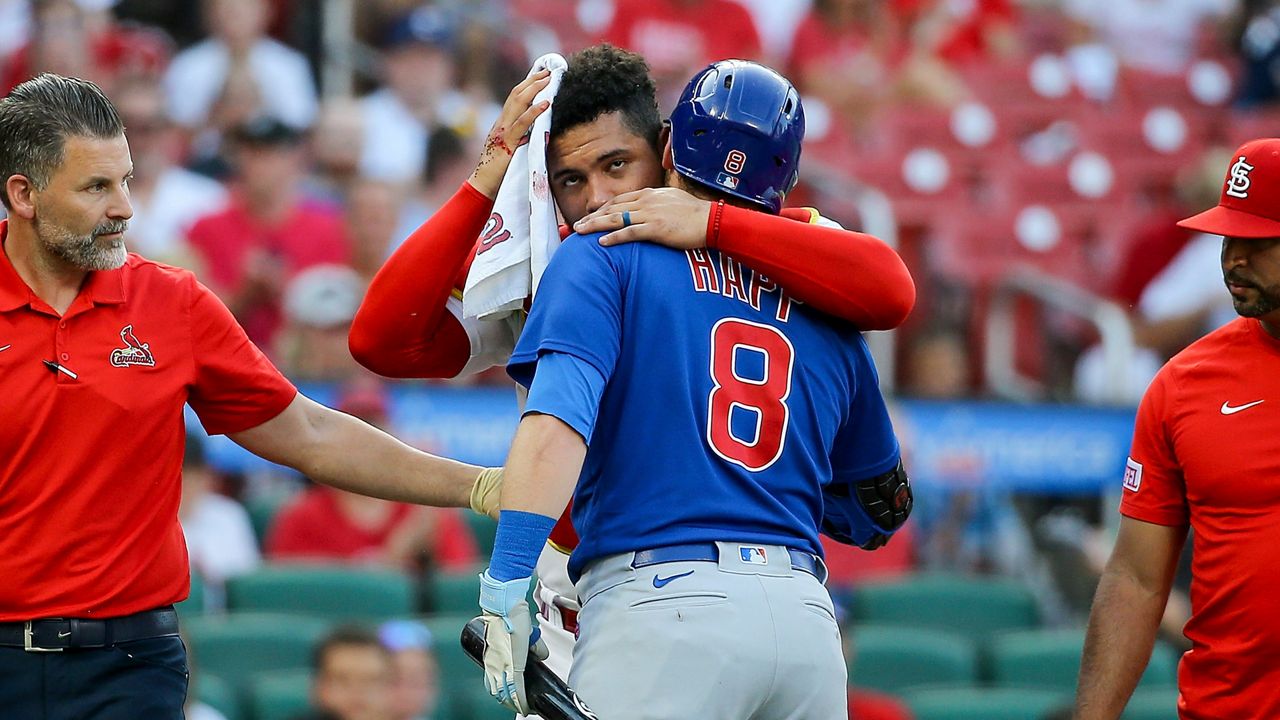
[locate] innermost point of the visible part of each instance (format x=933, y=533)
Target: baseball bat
x=549, y=696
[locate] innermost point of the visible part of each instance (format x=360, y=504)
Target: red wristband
x=713, y=238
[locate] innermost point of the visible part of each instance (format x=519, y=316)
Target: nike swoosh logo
x=6, y=347
x=1228, y=410
x=64, y=635
x=660, y=582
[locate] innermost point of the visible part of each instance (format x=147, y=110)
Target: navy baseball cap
x=266, y=130
x=424, y=26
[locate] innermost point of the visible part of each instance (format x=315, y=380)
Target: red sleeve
x=853, y=276
x=454, y=547
x=1154, y=489
x=402, y=328
x=235, y=386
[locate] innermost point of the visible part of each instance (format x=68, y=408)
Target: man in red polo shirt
x=99, y=350
x=1206, y=455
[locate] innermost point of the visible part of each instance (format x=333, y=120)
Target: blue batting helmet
x=737, y=129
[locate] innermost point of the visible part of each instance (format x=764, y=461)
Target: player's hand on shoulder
x=665, y=216
x=508, y=131
x=510, y=639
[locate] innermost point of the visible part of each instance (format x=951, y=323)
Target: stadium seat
x=976, y=607
x=281, y=695
x=262, y=511
x=217, y=694
x=194, y=604
x=1152, y=704
x=329, y=592
x=237, y=648
x=454, y=592
x=1050, y=659
x=891, y=659
x=984, y=703
x=458, y=672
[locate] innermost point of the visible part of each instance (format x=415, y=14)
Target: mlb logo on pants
x=753, y=554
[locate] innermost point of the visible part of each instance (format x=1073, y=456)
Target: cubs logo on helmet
x=737, y=129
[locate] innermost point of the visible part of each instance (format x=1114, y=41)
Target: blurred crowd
x=283, y=148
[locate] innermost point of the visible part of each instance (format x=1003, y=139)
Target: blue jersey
x=725, y=406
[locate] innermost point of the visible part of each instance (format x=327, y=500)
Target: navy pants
x=129, y=681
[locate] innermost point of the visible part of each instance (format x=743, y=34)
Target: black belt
x=58, y=634
x=710, y=552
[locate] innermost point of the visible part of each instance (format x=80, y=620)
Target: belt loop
x=73, y=632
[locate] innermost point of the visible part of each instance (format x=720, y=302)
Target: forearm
x=850, y=275
x=1122, y=631
x=543, y=466
x=402, y=328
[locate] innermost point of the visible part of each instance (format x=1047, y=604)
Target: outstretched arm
x=402, y=328
x=853, y=276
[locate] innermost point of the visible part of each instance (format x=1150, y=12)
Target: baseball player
x=411, y=325
x=700, y=412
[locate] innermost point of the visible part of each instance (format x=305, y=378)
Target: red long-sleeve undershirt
x=403, y=329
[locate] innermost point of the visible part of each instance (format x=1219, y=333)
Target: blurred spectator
x=220, y=541
x=680, y=37
x=81, y=38
x=1171, y=281
x=327, y=524
x=373, y=219
x=842, y=54
x=419, y=96
x=167, y=198
x=938, y=365
x=351, y=677
x=960, y=32
x=237, y=27
x=15, y=25
x=1259, y=48
x=269, y=231
x=415, y=684
x=776, y=25
x=449, y=162
x=319, y=304
x=337, y=143
x=1157, y=36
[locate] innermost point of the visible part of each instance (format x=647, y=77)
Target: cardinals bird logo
x=134, y=351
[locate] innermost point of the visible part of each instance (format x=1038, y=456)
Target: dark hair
x=345, y=636
x=444, y=147
x=39, y=115
x=603, y=79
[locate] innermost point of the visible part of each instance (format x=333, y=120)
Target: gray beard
x=85, y=252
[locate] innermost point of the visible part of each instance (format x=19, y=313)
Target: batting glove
x=485, y=491
x=510, y=637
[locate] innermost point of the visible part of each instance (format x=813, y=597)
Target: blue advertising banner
x=1033, y=448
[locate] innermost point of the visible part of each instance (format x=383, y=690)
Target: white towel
x=507, y=272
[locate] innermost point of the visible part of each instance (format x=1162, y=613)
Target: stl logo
x=735, y=161
x=1239, y=182
x=134, y=352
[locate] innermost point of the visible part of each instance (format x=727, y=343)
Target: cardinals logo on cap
x=1238, y=182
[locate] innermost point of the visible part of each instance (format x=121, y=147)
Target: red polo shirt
x=90, y=466
x=1206, y=453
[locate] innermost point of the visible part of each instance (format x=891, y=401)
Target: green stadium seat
x=1050, y=659
x=458, y=672
x=976, y=607
x=217, y=694
x=1152, y=703
x=281, y=695
x=262, y=512
x=332, y=592
x=984, y=703
x=891, y=659
x=454, y=592
x=194, y=604
x=238, y=648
